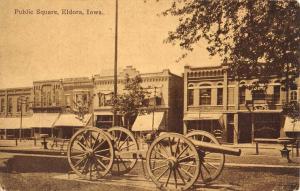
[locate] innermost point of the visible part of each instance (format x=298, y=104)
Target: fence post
x=16, y=142
x=256, y=143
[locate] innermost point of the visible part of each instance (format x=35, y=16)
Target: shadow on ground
x=20, y=163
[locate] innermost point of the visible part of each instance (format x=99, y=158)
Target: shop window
x=68, y=100
x=276, y=94
x=190, y=97
x=293, y=96
x=205, y=96
x=220, y=96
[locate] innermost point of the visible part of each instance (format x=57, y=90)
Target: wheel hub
x=90, y=153
x=172, y=162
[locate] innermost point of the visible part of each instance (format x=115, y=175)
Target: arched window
x=190, y=97
x=205, y=96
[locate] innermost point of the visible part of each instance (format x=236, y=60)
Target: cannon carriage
x=173, y=161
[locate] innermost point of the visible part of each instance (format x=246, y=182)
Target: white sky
x=35, y=47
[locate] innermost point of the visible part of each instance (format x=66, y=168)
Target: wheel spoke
x=123, y=142
x=82, y=146
x=101, y=164
x=212, y=165
x=80, y=161
x=82, y=151
x=177, y=147
x=161, y=146
x=186, y=157
x=180, y=175
x=170, y=145
x=175, y=178
x=161, y=154
x=78, y=156
x=104, y=157
x=162, y=174
x=96, y=140
x=159, y=167
x=127, y=146
x=100, y=151
x=186, y=172
x=205, y=168
x=100, y=144
x=187, y=146
x=187, y=164
x=169, y=175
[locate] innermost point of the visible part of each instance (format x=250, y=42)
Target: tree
x=254, y=38
x=132, y=101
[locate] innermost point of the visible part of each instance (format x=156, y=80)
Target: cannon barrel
x=214, y=148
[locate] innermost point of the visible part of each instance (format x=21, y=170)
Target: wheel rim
x=173, y=162
x=90, y=153
x=211, y=163
x=125, y=146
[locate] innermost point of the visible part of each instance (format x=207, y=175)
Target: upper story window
x=205, y=96
x=190, y=97
x=2, y=107
x=105, y=99
x=276, y=94
x=258, y=95
x=10, y=105
x=293, y=95
x=220, y=96
x=242, y=95
x=19, y=104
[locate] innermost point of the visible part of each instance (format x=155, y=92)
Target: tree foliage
x=132, y=101
x=244, y=33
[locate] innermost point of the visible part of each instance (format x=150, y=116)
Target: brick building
x=214, y=102
x=165, y=91
x=50, y=106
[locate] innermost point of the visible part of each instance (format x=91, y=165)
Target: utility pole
x=21, y=101
x=116, y=64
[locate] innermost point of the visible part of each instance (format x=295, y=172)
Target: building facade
x=165, y=96
x=215, y=102
x=54, y=107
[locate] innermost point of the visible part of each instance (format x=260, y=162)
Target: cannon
x=173, y=161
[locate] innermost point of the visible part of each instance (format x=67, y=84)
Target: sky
x=43, y=47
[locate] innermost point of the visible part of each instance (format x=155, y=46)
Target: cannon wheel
x=125, y=146
x=90, y=153
x=211, y=163
x=173, y=162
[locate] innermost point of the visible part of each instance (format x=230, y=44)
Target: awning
x=103, y=113
x=149, y=122
x=202, y=116
x=15, y=123
x=72, y=120
x=43, y=120
x=291, y=126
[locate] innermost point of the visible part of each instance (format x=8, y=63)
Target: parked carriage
x=173, y=161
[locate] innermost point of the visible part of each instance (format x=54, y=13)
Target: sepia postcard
x=149, y=95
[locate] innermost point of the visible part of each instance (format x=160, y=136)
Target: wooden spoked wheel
x=211, y=163
x=125, y=147
x=173, y=162
x=90, y=153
